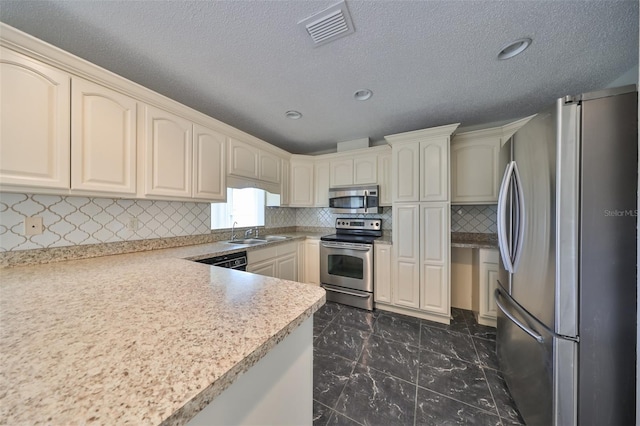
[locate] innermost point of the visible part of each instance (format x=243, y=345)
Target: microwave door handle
x=366, y=205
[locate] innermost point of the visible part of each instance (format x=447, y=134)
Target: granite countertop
x=140, y=338
x=474, y=240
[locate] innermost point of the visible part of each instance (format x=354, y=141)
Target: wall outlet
x=33, y=225
x=132, y=224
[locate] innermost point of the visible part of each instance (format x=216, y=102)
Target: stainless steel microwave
x=354, y=199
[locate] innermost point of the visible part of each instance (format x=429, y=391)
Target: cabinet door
x=365, y=170
x=405, y=164
x=435, y=288
x=321, y=180
x=209, y=177
x=384, y=178
x=406, y=246
x=34, y=123
x=168, y=153
x=103, y=139
x=434, y=170
x=267, y=268
x=341, y=172
x=269, y=168
x=312, y=262
x=488, y=281
x=287, y=267
x=301, y=184
x=243, y=159
x=382, y=273
x=474, y=171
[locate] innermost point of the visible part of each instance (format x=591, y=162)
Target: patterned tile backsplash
x=70, y=221
x=474, y=219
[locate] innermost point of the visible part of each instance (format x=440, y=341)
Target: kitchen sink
x=276, y=238
x=262, y=240
x=252, y=241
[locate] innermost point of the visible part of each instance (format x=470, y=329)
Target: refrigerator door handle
x=520, y=222
x=503, y=240
x=537, y=336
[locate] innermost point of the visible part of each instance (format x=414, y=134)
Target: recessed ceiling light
x=362, y=94
x=293, y=115
x=514, y=48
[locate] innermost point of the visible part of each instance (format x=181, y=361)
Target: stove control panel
x=359, y=224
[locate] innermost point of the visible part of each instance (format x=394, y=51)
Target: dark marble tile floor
x=380, y=368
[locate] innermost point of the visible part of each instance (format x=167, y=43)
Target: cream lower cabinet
x=34, y=124
x=312, y=261
x=280, y=261
x=382, y=273
x=486, y=275
x=421, y=259
x=103, y=139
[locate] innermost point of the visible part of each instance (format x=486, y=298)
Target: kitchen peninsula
x=147, y=338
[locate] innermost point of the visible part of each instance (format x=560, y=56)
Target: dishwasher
x=237, y=261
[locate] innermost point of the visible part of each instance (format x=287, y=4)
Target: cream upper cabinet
x=434, y=169
x=103, y=139
x=406, y=246
x=358, y=170
x=341, y=172
x=382, y=272
x=385, y=181
x=301, y=192
x=243, y=159
x=285, y=185
x=321, y=187
x=209, y=173
x=434, y=258
x=34, y=123
x=167, y=145
x=475, y=174
x=269, y=167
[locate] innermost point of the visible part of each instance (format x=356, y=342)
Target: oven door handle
x=335, y=290
x=346, y=247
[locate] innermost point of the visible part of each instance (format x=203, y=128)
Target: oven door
x=347, y=265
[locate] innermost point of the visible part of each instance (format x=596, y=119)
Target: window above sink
x=244, y=206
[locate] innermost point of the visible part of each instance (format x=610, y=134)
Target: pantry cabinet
x=421, y=223
x=167, y=159
x=103, y=139
x=385, y=180
x=475, y=174
x=34, y=116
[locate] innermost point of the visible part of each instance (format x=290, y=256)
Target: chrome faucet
x=233, y=234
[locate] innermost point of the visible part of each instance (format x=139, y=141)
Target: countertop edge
x=206, y=396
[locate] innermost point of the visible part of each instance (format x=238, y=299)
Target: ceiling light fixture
x=514, y=48
x=362, y=94
x=293, y=115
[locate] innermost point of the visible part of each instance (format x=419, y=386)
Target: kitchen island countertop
x=142, y=338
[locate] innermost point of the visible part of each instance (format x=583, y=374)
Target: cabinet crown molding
x=502, y=132
x=430, y=133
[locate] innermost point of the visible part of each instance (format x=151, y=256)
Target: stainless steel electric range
x=346, y=261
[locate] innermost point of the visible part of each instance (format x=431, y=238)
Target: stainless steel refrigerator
x=566, y=293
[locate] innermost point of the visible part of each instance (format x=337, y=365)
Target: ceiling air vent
x=328, y=25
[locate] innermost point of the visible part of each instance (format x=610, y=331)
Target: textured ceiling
x=428, y=63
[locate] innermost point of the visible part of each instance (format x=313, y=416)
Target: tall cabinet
x=421, y=223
